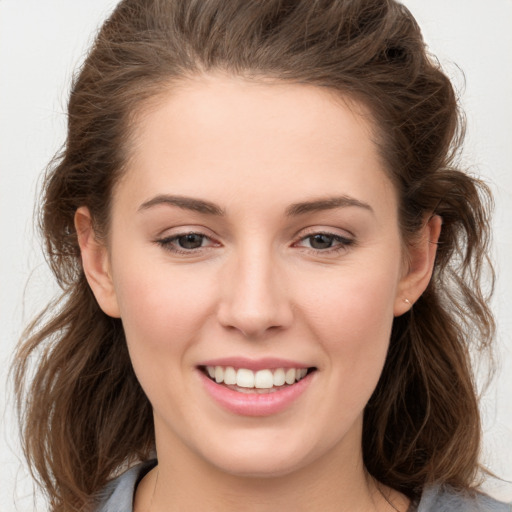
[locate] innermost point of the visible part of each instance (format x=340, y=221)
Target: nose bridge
x=254, y=298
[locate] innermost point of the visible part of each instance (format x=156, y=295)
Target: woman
x=271, y=268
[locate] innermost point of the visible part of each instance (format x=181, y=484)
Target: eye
x=321, y=241
x=186, y=242
x=325, y=242
x=190, y=241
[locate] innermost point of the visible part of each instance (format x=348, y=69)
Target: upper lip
x=254, y=364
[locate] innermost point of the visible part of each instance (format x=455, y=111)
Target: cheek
x=353, y=301
x=351, y=316
x=162, y=308
x=163, y=314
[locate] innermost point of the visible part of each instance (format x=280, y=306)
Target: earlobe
x=421, y=265
x=96, y=264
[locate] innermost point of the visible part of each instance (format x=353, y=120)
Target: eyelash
x=342, y=243
x=168, y=243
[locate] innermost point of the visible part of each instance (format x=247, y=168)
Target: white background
x=41, y=43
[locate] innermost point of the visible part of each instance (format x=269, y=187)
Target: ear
x=421, y=258
x=96, y=263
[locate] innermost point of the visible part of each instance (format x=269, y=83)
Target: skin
x=257, y=287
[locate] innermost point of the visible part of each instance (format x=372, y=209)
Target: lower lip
x=255, y=404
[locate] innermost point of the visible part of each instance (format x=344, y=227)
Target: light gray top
x=118, y=496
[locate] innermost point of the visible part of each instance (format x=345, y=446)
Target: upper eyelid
x=176, y=231
x=318, y=230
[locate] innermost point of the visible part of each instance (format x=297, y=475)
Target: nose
x=254, y=296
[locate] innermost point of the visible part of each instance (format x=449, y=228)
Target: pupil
x=321, y=241
x=191, y=241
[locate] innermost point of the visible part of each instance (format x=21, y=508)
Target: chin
x=264, y=467
x=260, y=458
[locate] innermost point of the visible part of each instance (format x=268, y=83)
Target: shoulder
x=446, y=499
x=117, y=496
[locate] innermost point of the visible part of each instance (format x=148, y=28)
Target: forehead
x=207, y=103
x=230, y=135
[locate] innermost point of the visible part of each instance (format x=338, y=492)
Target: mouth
x=244, y=380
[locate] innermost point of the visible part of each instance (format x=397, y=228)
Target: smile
x=268, y=388
x=265, y=380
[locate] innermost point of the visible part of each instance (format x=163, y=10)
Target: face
x=255, y=260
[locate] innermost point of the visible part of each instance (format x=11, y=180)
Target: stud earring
x=407, y=301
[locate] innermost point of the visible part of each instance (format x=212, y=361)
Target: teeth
x=290, y=375
x=244, y=378
x=230, y=375
x=262, y=379
x=279, y=377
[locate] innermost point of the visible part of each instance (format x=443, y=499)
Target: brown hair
x=84, y=414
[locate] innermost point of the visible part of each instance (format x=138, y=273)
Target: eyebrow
x=327, y=203
x=296, y=209
x=186, y=203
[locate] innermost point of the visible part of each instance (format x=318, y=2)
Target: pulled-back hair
x=84, y=414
